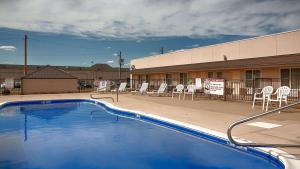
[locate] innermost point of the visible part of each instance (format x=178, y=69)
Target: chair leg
x=192, y=97
x=263, y=104
x=179, y=96
x=253, y=102
x=184, y=96
x=279, y=104
x=172, y=95
x=267, y=107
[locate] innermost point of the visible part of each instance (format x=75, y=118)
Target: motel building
x=246, y=65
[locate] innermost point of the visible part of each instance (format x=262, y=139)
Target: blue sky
x=79, y=32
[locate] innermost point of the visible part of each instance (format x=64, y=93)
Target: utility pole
x=25, y=55
x=162, y=50
x=120, y=64
x=121, y=61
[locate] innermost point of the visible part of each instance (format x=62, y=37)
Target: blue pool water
x=82, y=135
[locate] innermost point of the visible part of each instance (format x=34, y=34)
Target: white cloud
x=110, y=62
x=8, y=48
x=108, y=47
x=151, y=18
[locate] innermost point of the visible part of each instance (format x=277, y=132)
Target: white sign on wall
x=214, y=86
x=198, y=83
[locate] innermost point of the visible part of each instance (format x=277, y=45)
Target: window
x=148, y=78
x=183, y=78
x=290, y=77
x=219, y=75
x=285, y=77
x=252, y=76
x=210, y=74
x=295, y=78
x=140, y=79
x=169, y=79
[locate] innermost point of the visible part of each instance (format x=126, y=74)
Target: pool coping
x=289, y=161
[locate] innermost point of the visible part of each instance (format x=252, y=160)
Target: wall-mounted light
x=225, y=57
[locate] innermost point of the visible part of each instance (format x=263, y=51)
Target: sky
x=81, y=33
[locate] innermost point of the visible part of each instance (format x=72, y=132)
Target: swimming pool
x=88, y=134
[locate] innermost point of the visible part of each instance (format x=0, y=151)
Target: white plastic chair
x=190, y=89
x=178, y=90
x=143, y=89
x=281, y=95
x=102, y=86
x=266, y=93
x=122, y=88
x=161, y=90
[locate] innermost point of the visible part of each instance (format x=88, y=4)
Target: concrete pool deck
x=212, y=114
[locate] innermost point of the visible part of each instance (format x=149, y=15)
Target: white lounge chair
x=178, y=90
x=266, y=93
x=161, y=90
x=143, y=89
x=122, y=88
x=102, y=86
x=281, y=95
x=190, y=89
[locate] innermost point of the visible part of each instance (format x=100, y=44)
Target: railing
x=234, y=89
x=231, y=139
x=106, y=97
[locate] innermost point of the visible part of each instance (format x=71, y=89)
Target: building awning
x=273, y=61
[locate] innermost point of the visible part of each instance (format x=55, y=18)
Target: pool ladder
x=244, y=120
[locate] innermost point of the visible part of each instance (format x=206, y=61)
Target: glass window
x=140, y=79
x=219, y=75
x=295, y=78
x=183, y=78
x=210, y=74
x=290, y=77
x=285, y=77
x=169, y=79
x=148, y=78
x=252, y=75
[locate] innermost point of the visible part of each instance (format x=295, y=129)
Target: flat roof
x=230, y=64
x=256, y=37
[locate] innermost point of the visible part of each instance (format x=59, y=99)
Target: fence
x=234, y=89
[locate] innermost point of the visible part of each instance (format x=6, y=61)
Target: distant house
x=84, y=74
x=49, y=80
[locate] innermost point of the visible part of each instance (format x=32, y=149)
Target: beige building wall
x=36, y=86
x=270, y=73
x=271, y=45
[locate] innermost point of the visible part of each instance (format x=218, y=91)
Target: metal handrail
x=231, y=139
x=113, y=100
x=91, y=95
